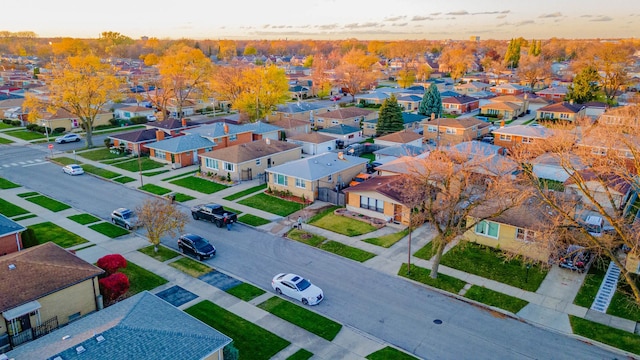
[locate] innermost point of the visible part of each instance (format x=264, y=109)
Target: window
x=229, y=167
x=300, y=183
x=564, y=116
x=371, y=204
x=211, y=164
x=320, y=120
x=233, y=137
x=159, y=154
x=280, y=179
x=505, y=137
x=257, y=162
x=335, y=122
x=487, y=228
x=527, y=140
x=525, y=235
x=451, y=131
x=432, y=128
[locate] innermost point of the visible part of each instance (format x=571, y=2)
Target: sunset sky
x=325, y=19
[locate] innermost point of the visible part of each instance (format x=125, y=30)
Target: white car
x=151, y=118
x=297, y=287
x=67, y=138
x=73, y=169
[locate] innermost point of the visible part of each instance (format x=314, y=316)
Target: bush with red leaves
x=111, y=263
x=114, y=286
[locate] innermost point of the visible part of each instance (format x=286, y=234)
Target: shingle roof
x=318, y=166
x=136, y=136
x=8, y=226
x=340, y=130
x=460, y=123
x=312, y=137
x=410, y=98
x=345, y=113
x=289, y=123
x=563, y=107
x=140, y=327
x=171, y=124
x=388, y=186
x=460, y=99
x=400, y=150
x=217, y=130
x=408, y=118
x=298, y=107
x=39, y=271
x=260, y=127
x=539, y=132
x=401, y=137
x=501, y=105
x=180, y=144
x=477, y=148
x=250, y=151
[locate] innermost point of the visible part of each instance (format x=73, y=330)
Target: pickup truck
x=212, y=212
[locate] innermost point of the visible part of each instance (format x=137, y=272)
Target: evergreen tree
x=390, y=117
x=512, y=56
x=585, y=86
x=431, y=102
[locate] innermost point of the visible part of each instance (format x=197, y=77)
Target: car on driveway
x=73, y=169
x=125, y=218
x=68, y=138
x=297, y=287
x=196, y=245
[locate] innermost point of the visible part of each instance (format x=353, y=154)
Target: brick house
x=449, y=131
x=10, y=236
x=461, y=104
x=566, y=111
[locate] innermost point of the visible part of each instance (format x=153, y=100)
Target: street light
x=46, y=131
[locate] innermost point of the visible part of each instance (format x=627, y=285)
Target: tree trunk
x=435, y=260
x=155, y=248
x=88, y=125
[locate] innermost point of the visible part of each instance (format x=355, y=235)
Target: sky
x=326, y=19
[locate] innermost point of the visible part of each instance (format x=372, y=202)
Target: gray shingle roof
x=340, y=130
x=180, y=144
x=319, y=166
x=216, y=130
x=259, y=127
x=8, y=226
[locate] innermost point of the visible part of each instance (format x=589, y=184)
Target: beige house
x=379, y=198
x=403, y=137
x=48, y=287
x=243, y=162
x=566, y=111
x=314, y=143
x=449, y=131
x=68, y=121
x=305, y=176
x=351, y=116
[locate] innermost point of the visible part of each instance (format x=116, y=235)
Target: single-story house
x=602, y=187
x=508, y=89
x=451, y=131
x=351, y=116
x=410, y=121
x=262, y=130
x=172, y=127
x=142, y=327
x=10, y=236
x=129, y=112
x=547, y=166
x=499, y=110
x=554, y=94
x=472, y=87
x=379, y=197
x=313, y=143
x=303, y=177
x=300, y=110
x=409, y=102
x=179, y=151
x=374, y=97
x=461, y=104
x=136, y=140
x=348, y=134
x=68, y=121
x=244, y=161
x=519, y=135
x=402, y=137
x=291, y=127
x=567, y=111
x=49, y=287
x=390, y=153
x=223, y=134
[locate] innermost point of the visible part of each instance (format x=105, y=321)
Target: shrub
x=107, y=143
x=31, y=126
x=111, y=263
x=230, y=352
x=138, y=120
x=114, y=286
x=229, y=177
x=29, y=238
x=16, y=123
x=6, y=121
x=113, y=122
x=59, y=130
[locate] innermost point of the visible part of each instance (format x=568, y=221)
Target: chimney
x=501, y=123
x=433, y=116
x=184, y=122
x=226, y=128
x=159, y=135
x=571, y=101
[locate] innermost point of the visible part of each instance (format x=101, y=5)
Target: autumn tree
x=67, y=47
x=114, y=43
x=533, y=69
x=390, y=117
x=227, y=49
x=355, y=72
x=159, y=217
x=320, y=77
x=431, y=102
x=612, y=60
x=406, y=77
x=423, y=72
x=512, y=56
x=585, y=86
x=457, y=59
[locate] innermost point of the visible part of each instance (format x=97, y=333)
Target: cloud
x=491, y=12
x=395, y=18
x=327, y=26
x=602, y=18
x=552, y=15
x=400, y=24
x=420, y=18
x=461, y=12
x=435, y=14
x=525, y=22
x=265, y=26
x=586, y=16
x=363, y=25
x=501, y=16
x=505, y=11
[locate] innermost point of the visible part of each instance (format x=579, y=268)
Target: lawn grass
x=48, y=231
x=306, y=237
x=180, y=175
x=101, y=154
x=48, y=203
x=389, y=353
x=426, y=252
x=154, y=189
x=199, y=184
x=347, y=251
x=104, y=173
x=180, y=197
x=154, y=173
x=271, y=204
x=141, y=279
x=245, y=292
x=321, y=214
x=443, y=282
x=245, y=192
x=144, y=162
x=369, y=156
x=28, y=194
x=83, y=219
x=124, y=179
x=490, y=263
x=66, y=161
x=108, y=229
x=191, y=267
x=615, y=337
x=5, y=126
x=252, y=220
x=306, y=319
x=386, y=241
x=301, y=354
x=5, y=141
x=24, y=217
x=162, y=255
x=10, y=210
x=343, y=225
x=495, y=299
x=6, y=184
x=252, y=341
x=590, y=286
x=623, y=305
x=27, y=135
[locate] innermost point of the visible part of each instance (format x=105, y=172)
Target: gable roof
x=501, y=105
x=460, y=99
x=460, y=123
x=410, y=98
x=40, y=270
x=400, y=150
x=260, y=127
x=388, y=186
x=408, y=118
x=401, y=137
x=613, y=181
x=312, y=137
x=136, y=136
x=140, y=327
x=318, y=166
x=345, y=113
x=9, y=227
x=289, y=123
x=237, y=154
x=563, y=107
x=539, y=132
x=477, y=148
x=217, y=130
x=341, y=129
x=300, y=106
x=180, y=144
x=171, y=124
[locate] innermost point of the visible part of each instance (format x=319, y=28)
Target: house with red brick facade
x=10, y=236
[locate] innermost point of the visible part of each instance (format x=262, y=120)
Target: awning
x=21, y=310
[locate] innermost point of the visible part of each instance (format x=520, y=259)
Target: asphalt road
x=387, y=307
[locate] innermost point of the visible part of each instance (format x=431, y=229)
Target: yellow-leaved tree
x=355, y=71
x=160, y=217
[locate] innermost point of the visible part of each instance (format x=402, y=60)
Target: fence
x=331, y=196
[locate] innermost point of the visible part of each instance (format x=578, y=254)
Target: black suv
x=196, y=245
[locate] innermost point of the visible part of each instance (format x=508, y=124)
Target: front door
x=25, y=322
x=397, y=213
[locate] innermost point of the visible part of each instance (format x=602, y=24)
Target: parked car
x=125, y=218
x=297, y=287
x=196, y=245
x=362, y=177
x=335, y=98
x=214, y=213
x=575, y=258
x=68, y=138
x=151, y=118
x=487, y=139
x=371, y=167
x=73, y=169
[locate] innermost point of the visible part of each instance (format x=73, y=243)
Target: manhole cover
x=437, y=321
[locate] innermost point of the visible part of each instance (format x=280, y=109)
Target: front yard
x=271, y=204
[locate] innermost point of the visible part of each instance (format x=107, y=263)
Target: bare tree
x=160, y=217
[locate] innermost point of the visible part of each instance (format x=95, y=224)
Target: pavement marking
x=40, y=163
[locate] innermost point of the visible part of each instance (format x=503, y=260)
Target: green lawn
x=387, y=241
x=245, y=192
x=306, y=237
x=108, y=229
x=83, y=219
x=66, y=161
x=27, y=135
x=615, y=337
x=101, y=154
x=24, y=217
x=154, y=189
x=141, y=279
x=48, y=203
x=252, y=220
x=245, y=292
x=252, y=341
x=154, y=173
x=180, y=197
x=5, y=141
x=9, y=210
x=444, y=282
x=199, y=184
x=191, y=267
x=306, y=319
x=107, y=174
x=271, y=204
x=343, y=225
x=389, y=353
x=145, y=164
x=590, y=286
x=180, y=175
x=301, y=354
x=426, y=252
x=496, y=299
x=370, y=156
x=124, y=179
x=48, y=231
x=6, y=184
x=347, y=251
x=5, y=126
x=162, y=255
x=28, y=194
x=491, y=264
